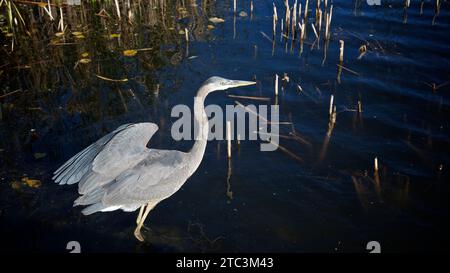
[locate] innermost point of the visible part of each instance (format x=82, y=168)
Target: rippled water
x=265, y=201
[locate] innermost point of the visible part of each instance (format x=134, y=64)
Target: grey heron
x=119, y=172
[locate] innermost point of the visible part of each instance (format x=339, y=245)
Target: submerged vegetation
x=60, y=45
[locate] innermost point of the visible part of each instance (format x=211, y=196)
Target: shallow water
x=330, y=202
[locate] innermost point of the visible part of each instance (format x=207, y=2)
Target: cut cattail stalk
x=294, y=19
x=306, y=10
x=314, y=29
x=302, y=30
x=317, y=9
x=275, y=13
x=341, y=51
x=320, y=20
x=287, y=17
x=229, y=139
x=117, y=8
x=331, y=13
x=274, y=26
x=48, y=10
x=328, y=23
x=330, y=111
x=276, y=84
x=61, y=22
x=376, y=164
x=333, y=116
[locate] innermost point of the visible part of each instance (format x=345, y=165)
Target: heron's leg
x=141, y=210
x=137, y=231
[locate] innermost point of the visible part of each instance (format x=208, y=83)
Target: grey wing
x=155, y=178
x=109, y=156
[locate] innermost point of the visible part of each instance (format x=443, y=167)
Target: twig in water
x=261, y=117
x=10, y=93
x=111, y=80
x=347, y=69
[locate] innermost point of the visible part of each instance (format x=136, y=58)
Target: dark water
x=330, y=202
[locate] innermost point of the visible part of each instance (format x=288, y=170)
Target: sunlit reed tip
x=276, y=84
x=330, y=111
x=341, y=51
x=229, y=139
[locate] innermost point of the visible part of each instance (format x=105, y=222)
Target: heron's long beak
x=235, y=83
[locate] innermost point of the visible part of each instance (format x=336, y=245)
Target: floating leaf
x=181, y=32
x=9, y=35
x=243, y=14
x=129, y=52
x=216, y=20
x=32, y=183
x=84, y=61
x=114, y=35
x=85, y=55
x=79, y=36
x=210, y=27
x=16, y=185
x=77, y=33
x=39, y=155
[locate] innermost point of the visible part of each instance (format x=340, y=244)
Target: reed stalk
x=276, y=84
x=229, y=139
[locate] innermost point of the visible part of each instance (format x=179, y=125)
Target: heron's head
x=217, y=83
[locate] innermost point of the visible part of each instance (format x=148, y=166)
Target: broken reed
x=229, y=139
x=276, y=84
x=341, y=51
x=287, y=17
x=275, y=19
x=327, y=17
x=332, y=112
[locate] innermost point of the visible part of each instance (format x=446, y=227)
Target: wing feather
x=156, y=177
x=116, y=151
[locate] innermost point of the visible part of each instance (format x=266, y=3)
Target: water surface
x=330, y=202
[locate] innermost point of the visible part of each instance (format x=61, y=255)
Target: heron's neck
x=201, y=128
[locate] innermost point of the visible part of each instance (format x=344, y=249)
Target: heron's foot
x=138, y=235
